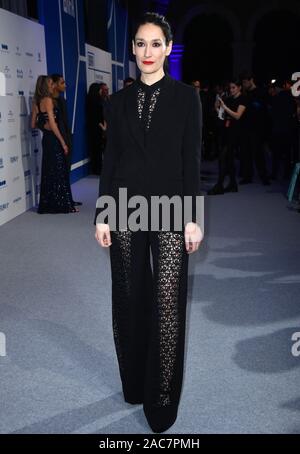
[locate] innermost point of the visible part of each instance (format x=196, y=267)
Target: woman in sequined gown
x=153, y=148
x=55, y=191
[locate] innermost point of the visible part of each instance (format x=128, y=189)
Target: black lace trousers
x=149, y=315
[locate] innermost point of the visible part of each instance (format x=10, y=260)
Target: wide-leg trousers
x=149, y=317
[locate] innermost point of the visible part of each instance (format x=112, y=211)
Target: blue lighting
x=175, y=61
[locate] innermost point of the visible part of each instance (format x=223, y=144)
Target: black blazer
x=167, y=162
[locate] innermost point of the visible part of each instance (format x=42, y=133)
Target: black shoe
x=160, y=419
x=273, y=177
x=216, y=190
x=266, y=182
x=245, y=181
x=133, y=401
x=133, y=398
x=232, y=187
x=77, y=203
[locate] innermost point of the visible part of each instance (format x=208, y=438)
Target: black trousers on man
x=281, y=146
x=253, y=152
x=149, y=316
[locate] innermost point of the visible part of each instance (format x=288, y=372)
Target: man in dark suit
x=59, y=88
x=255, y=123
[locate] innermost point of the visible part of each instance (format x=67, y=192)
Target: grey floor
x=60, y=373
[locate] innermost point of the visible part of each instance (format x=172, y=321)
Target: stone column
x=175, y=60
x=242, y=56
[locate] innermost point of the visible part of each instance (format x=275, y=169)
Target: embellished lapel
x=160, y=112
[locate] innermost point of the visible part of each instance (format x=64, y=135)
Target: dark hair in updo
x=236, y=81
x=160, y=21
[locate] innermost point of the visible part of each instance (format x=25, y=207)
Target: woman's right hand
x=102, y=235
x=65, y=148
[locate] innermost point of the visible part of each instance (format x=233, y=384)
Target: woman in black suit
x=153, y=149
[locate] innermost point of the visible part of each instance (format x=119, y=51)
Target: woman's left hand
x=222, y=104
x=193, y=236
x=103, y=125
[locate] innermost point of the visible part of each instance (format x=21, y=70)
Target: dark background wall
x=96, y=23
x=218, y=39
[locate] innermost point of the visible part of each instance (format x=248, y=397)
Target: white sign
x=22, y=60
x=98, y=66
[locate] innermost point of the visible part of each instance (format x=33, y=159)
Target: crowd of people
x=245, y=122
x=241, y=122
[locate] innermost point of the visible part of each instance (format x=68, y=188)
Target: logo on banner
x=7, y=72
x=91, y=60
x=14, y=159
x=2, y=184
x=4, y=49
x=18, y=51
x=39, y=57
x=99, y=77
x=1, y=163
x=28, y=54
x=1, y=139
x=4, y=206
x=30, y=75
x=18, y=199
x=34, y=133
x=11, y=117
x=19, y=74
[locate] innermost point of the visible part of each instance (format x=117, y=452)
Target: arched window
x=276, y=46
x=208, y=48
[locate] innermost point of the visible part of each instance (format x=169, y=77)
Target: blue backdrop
x=65, y=48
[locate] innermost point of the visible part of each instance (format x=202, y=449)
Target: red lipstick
x=148, y=62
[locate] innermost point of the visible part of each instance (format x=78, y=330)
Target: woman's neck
x=150, y=79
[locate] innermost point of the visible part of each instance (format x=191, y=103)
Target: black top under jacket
x=164, y=161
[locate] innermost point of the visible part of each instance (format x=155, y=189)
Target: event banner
x=22, y=60
x=99, y=66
